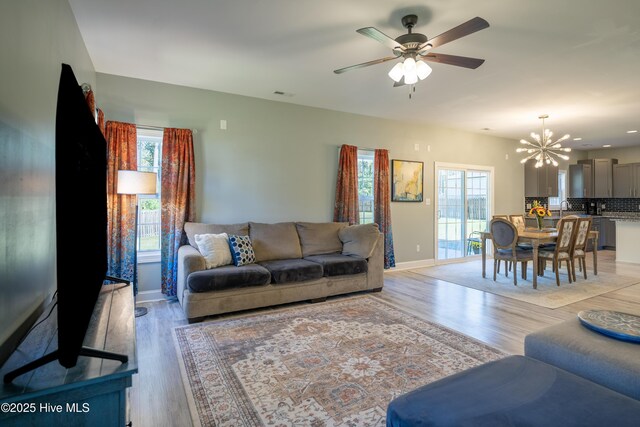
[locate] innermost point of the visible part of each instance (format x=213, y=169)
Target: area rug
x=548, y=294
x=337, y=363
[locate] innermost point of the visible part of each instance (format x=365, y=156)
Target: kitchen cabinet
x=626, y=180
x=540, y=182
x=580, y=180
x=602, y=176
x=608, y=227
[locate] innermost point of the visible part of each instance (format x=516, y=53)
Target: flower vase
x=540, y=221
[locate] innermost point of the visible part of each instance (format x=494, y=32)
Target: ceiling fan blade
x=365, y=64
x=460, y=61
x=469, y=27
x=399, y=83
x=381, y=37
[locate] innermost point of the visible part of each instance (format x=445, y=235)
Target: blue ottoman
x=571, y=346
x=515, y=391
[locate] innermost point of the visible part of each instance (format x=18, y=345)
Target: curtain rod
x=158, y=128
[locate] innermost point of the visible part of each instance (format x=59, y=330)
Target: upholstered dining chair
x=518, y=221
x=562, y=251
x=506, y=263
x=578, y=249
x=505, y=248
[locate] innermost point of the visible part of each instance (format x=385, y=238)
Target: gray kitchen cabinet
x=626, y=180
x=580, y=180
x=602, y=176
x=540, y=182
x=608, y=227
x=622, y=180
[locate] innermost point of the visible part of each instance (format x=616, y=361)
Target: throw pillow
x=214, y=248
x=359, y=239
x=241, y=250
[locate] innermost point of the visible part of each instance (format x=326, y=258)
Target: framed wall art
x=406, y=181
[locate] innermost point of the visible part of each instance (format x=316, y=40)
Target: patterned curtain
x=178, y=200
x=346, y=206
x=121, y=155
x=91, y=102
x=101, y=120
x=382, y=201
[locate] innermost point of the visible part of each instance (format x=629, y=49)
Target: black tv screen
x=81, y=215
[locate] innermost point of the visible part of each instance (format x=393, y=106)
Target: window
x=365, y=185
x=554, y=202
x=149, y=160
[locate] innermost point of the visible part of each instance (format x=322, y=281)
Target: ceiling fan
x=415, y=49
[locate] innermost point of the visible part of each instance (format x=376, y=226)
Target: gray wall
x=277, y=161
x=35, y=38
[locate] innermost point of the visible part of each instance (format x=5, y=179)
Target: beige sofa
x=295, y=261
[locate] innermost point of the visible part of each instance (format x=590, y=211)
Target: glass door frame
x=491, y=196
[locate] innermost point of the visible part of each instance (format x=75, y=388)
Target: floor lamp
x=135, y=183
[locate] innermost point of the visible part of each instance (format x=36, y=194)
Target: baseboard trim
x=148, y=296
x=408, y=265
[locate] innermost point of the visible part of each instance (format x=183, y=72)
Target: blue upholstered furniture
x=515, y=391
x=571, y=346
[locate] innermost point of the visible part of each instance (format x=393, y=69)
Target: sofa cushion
x=275, y=241
x=514, y=391
x=241, y=250
x=359, y=240
x=227, y=277
x=214, y=248
x=193, y=228
x=317, y=238
x=292, y=270
x=338, y=265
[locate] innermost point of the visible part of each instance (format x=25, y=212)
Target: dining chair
x=518, y=221
x=505, y=248
x=562, y=251
x=506, y=263
x=578, y=249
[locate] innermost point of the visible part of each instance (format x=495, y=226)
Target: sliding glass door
x=463, y=208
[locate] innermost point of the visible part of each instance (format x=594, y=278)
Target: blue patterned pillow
x=241, y=250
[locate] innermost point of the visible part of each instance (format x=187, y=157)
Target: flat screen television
x=81, y=224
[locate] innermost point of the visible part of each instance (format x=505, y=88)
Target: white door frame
x=465, y=168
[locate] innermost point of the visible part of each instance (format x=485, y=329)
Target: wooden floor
x=158, y=397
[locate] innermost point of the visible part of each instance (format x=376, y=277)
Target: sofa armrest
x=189, y=261
x=375, y=272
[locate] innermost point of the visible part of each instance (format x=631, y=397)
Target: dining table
x=536, y=237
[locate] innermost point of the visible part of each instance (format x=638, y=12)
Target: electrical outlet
x=583, y=206
x=417, y=248
x=528, y=205
x=570, y=207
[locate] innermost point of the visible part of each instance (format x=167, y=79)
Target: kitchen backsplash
x=610, y=205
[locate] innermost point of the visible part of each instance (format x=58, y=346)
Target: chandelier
x=544, y=150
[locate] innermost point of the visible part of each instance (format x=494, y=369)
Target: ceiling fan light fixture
x=423, y=70
x=397, y=72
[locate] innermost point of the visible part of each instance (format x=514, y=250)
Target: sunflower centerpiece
x=539, y=212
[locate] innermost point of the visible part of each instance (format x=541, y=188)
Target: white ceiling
x=576, y=60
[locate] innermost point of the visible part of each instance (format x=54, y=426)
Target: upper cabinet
x=581, y=180
x=626, y=180
x=540, y=182
x=602, y=176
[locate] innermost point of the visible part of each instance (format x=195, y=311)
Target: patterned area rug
x=337, y=363
x=548, y=294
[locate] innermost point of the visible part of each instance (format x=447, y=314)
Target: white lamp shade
x=396, y=72
x=135, y=182
x=423, y=70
